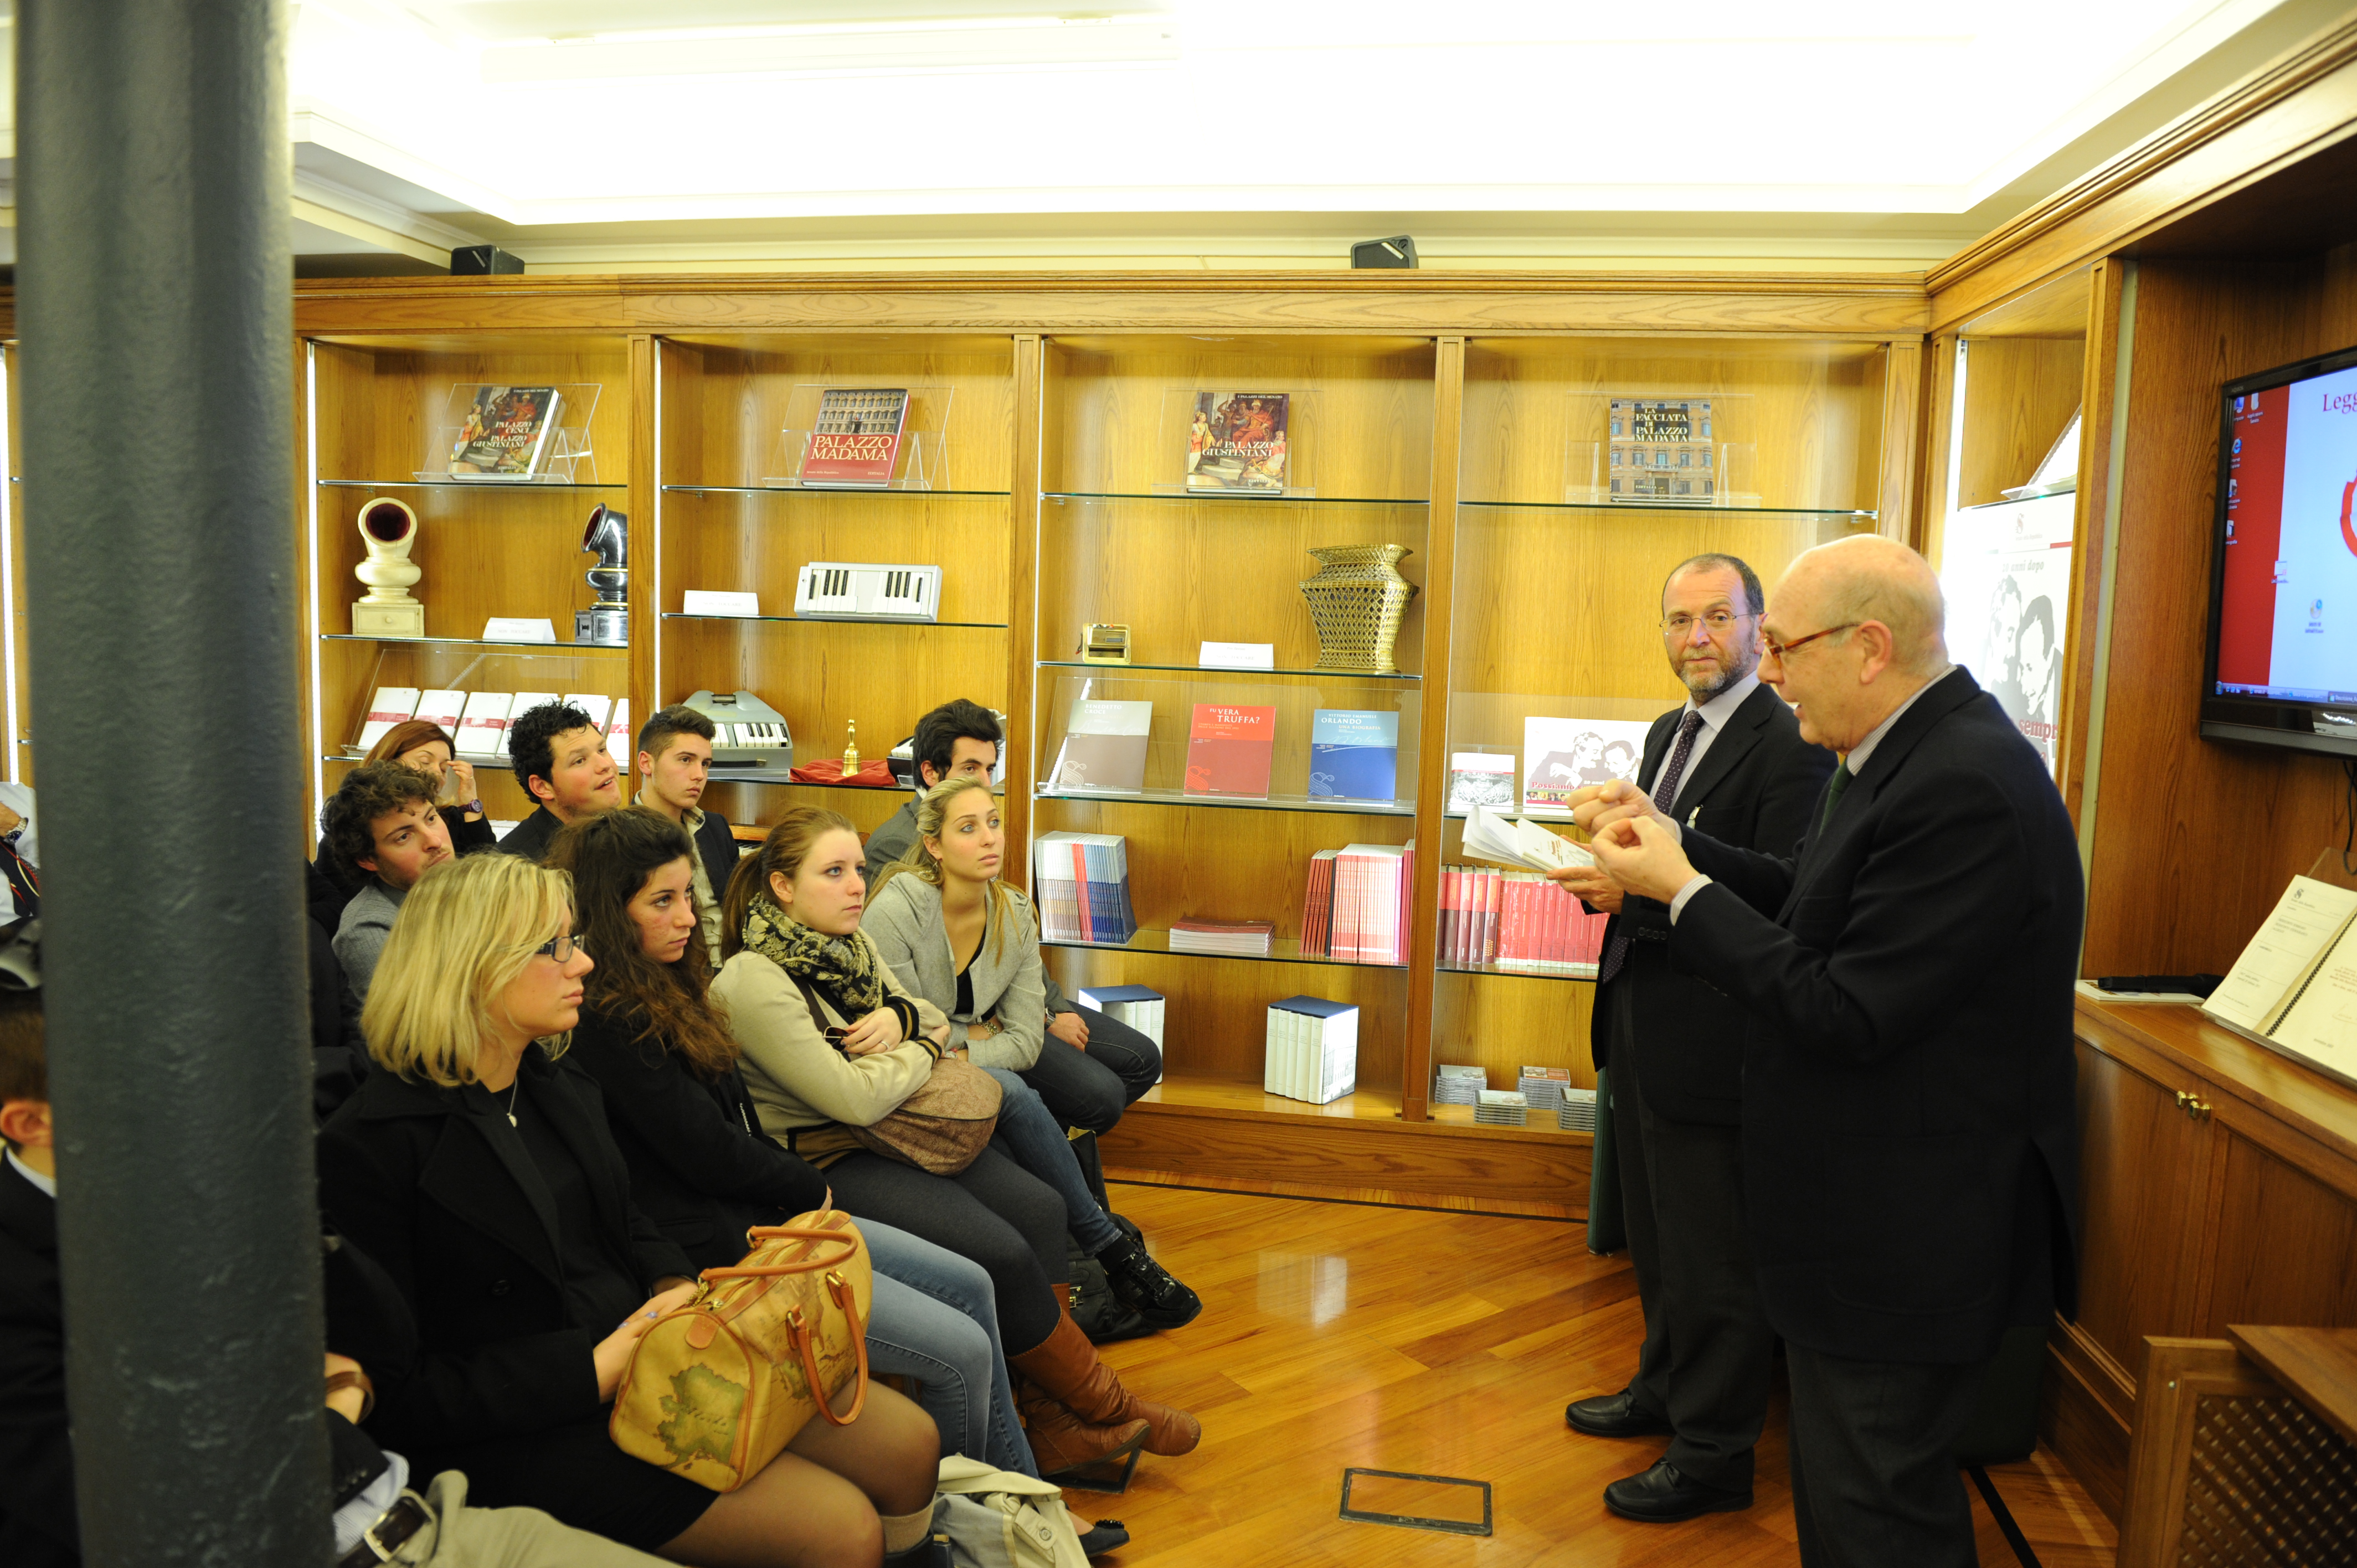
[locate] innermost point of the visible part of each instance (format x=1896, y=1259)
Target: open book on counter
x=2295, y=987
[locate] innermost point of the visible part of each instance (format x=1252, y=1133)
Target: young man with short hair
x=674, y=760
x=375, y=1514
x=1108, y=1064
x=379, y=823
x=560, y=759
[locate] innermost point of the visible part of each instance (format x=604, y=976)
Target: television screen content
x=2284, y=622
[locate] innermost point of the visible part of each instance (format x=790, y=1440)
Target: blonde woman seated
x=479, y=1173
x=800, y=970
x=964, y=940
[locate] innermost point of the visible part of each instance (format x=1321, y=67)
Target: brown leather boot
x=1066, y=1366
x=1061, y=1441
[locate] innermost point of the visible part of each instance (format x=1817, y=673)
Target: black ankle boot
x=1146, y=1286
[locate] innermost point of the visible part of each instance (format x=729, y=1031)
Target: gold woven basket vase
x=1356, y=601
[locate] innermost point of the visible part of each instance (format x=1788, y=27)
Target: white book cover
x=444, y=708
x=389, y=706
x=1342, y=1074
x=1560, y=756
x=2305, y=922
x=1103, y=747
x=524, y=702
x=590, y=703
x=483, y=732
x=1272, y=1067
x=1312, y=1066
x=619, y=744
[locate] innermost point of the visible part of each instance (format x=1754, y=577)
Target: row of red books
x=1358, y=903
x=1515, y=920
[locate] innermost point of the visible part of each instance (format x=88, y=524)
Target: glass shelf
x=1264, y=499
x=1579, y=974
x=1823, y=511
x=1542, y=1124
x=841, y=620
x=1232, y=802
x=828, y=490
x=461, y=485
x=567, y=650
x=721, y=773
x=1225, y=670
x=1285, y=950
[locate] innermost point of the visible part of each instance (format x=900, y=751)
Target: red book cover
x=1230, y=749
x=1346, y=909
x=1510, y=918
x=856, y=436
x=1447, y=922
x=1559, y=922
x=1494, y=902
x=1551, y=902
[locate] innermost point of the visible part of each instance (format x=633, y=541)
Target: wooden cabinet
x=2218, y=1184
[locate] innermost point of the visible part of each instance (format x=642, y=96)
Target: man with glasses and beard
x=1732, y=761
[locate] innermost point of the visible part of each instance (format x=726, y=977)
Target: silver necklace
x=512, y=1099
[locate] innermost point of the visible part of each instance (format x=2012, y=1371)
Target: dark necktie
x=1666, y=794
x=22, y=880
x=1840, y=782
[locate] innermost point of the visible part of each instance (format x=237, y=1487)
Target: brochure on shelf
x=714, y=602
x=389, y=706
x=524, y=702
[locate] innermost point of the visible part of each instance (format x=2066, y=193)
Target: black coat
x=408, y=1172
x=1908, y=1137
x=1754, y=788
x=339, y=1057
x=37, y=1527
x=717, y=846
x=531, y=837
x=700, y=1166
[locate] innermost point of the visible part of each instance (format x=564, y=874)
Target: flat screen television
x=2282, y=669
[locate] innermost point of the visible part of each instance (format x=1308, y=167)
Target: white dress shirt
x=1715, y=714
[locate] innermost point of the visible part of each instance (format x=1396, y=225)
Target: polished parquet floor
x=1438, y=1343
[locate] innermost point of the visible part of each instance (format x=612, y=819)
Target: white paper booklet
x=2308, y=919
x=1492, y=837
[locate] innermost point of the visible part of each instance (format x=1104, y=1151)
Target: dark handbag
x=943, y=1126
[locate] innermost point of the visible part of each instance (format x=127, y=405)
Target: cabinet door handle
x=2197, y=1109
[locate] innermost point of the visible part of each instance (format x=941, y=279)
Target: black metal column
x=154, y=309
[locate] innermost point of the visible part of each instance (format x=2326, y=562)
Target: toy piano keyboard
x=748, y=732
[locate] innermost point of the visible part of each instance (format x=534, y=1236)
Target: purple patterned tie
x=1665, y=793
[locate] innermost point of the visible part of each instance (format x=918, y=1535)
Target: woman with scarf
x=791, y=921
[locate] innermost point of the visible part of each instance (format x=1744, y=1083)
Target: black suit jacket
x=1755, y=789
x=1908, y=1135
x=717, y=846
x=700, y=1166
x=410, y=1174
x=37, y=1527
x=531, y=837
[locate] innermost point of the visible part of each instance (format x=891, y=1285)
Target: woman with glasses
x=701, y=1167
x=476, y=1169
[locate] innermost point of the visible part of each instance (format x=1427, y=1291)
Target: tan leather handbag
x=717, y=1388
x=943, y=1125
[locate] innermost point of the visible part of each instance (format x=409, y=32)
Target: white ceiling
x=619, y=134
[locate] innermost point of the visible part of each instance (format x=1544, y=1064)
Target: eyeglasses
x=1780, y=650
x=1718, y=622
x=561, y=948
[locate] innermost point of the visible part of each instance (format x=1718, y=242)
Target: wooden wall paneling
x=2019, y=394
x=678, y=439
x=1895, y=442
x=760, y=805
x=2284, y=1232
x=2166, y=794
x=1432, y=749
x=1503, y=1022
x=2085, y=1409
x=1023, y=647
x=2090, y=529
x=1296, y=698
x=646, y=541
x=760, y=541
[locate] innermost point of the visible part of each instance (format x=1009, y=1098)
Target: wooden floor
x=1347, y=1334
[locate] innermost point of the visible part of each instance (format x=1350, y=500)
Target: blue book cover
x=1354, y=755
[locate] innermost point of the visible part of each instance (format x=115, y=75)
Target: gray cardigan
x=905, y=923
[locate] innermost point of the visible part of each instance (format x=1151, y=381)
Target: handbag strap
x=811, y=1264
x=355, y=1379
x=845, y=1297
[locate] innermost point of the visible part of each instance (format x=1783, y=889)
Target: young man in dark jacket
x=560, y=759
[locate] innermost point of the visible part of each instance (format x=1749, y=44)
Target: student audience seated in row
x=1089, y=1067
x=799, y=969
x=382, y=832
x=477, y=1168
x=426, y=748
x=560, y=759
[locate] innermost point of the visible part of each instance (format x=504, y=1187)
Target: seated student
x=674, y=756
x=700, y=1166
x=20, y=852
x=1095, y=1065
x=479, y=1173
x=800, y=965
x=369, y=1487
x=380, y=825
x=561, y=760
x=425, y=747
x=964, y=940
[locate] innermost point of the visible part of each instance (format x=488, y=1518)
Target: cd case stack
x=1577, y=1113
x=1502, y=1107
x=1544, y=1087
x=1083, y=888
x=1458, y=1085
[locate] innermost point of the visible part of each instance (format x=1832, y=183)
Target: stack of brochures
x=1544, y=1087
x=1501, y=1107
x=1491, y=836
x=1453, y=1085
x=1577, y=1113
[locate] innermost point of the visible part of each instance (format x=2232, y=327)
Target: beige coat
x=797, y=1080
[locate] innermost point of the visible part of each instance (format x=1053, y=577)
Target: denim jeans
x=1090, y=1089
x=1040, y=1147
x=932, y=1320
